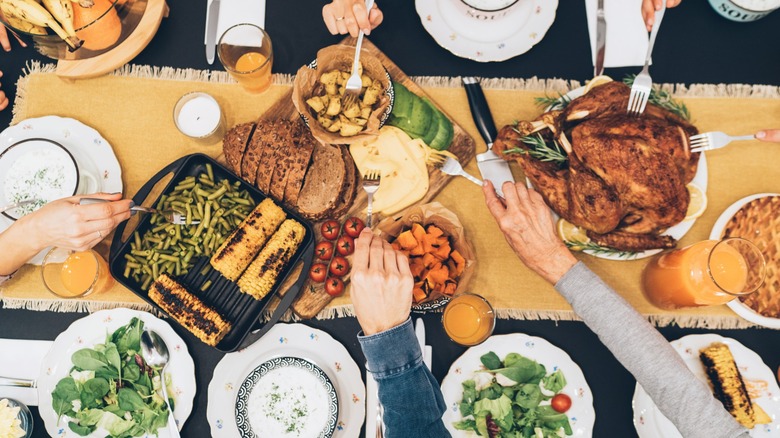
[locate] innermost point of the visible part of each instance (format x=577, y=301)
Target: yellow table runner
x=133, y=108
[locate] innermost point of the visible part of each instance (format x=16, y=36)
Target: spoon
x=155, y=353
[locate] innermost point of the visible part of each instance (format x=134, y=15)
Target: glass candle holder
x=199, y=116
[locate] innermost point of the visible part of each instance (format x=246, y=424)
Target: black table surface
x=695, y=46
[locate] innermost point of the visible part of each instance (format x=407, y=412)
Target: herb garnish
x=663, y=99
x=551, y=103
x=541, y=150
x=597, y=249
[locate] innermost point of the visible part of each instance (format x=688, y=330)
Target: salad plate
x=92, y=330
x=287, y=340
x=92, y=153
x=581, y=415
x=487, y=40
x=760, y=380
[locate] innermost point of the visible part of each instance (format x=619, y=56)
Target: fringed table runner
x=133, y=109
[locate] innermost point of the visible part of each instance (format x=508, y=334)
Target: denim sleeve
x=409, y=393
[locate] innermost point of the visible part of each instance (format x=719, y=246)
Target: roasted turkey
x=624, y=178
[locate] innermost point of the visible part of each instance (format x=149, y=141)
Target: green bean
x=219, y=192
x=169, y=257
x=155, y=269
x=205, y=285
x=137, y=239
x=242, y=201
x=210, y=171
x=147, y=280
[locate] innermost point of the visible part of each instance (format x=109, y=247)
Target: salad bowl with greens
x=517, y=386
x=95, y=382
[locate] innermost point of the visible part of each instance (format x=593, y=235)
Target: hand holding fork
x=715, y=140
x=643, y=84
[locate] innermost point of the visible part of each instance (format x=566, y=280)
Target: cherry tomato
x=334, y=286
x=324, y=250
x=339, y=266
x=330, y=230
x=318, y=272
x=353, y=226
x=561, y=402
x=345, y=245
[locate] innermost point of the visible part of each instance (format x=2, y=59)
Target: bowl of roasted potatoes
x=319, y=96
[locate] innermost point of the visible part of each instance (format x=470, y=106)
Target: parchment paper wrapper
x=307, y=84
x=433, y=213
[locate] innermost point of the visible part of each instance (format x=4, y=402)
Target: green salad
x=515, y=398
x=111, y=387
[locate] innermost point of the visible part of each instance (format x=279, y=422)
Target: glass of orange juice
x=468, y=319
x=707, y=273
x=246, y=53
x=73, y=274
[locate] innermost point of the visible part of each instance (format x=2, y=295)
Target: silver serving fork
x=354, y=84
x=170, y=215
x=714, y=140
x=451, y=166
x=640, y=90
x=371, y=181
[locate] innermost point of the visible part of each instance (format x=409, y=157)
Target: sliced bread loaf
x=234, y=144
x=304, y=147
x=324, y=183
x=350, y=185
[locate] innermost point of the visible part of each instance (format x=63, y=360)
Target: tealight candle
x=198, y=115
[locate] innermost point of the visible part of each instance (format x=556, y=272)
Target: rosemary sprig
x=663, y=99
x=597, y=249
x=541, y=150
x=553, y=103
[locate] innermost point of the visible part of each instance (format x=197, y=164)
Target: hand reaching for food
x=351, y=16
x=527, y=225
x=381, y=284
x=769, y=135
x=650, y=6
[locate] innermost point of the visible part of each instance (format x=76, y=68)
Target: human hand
x=5, y=42
x=350, y=16
x=3, y=97
x=650, y=6
x=771, y=135
x=66, y=224
x=527, y=225
x=381, y=284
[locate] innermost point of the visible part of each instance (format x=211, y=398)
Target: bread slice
x=304, y=147
x=324, y=183
x=234, y=145
x=283, y=162
x=350, y=185
x=254, y=152
x=276, y=132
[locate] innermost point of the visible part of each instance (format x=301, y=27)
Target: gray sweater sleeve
x=641, y=349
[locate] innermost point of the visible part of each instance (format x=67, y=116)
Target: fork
x=380, y=413
x=170, y=215
x=371, y=180
x=640, y=90
x=451, y=166
x=714, y=140
x=355, y=83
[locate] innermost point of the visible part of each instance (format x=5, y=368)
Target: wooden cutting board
x=314, y=298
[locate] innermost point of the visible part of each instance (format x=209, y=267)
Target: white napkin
x=232, y=12
x=22, y=359
x=627, y=36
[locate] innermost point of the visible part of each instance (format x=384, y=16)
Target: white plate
x=676, y=231
x=486, y=41
x=582, y=417
x=92, y=152
x=651, y=423
x=92, y=330
x=716, y=234
x=295, y=340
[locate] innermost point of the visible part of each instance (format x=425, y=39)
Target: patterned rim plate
x=92, y=152
x=288, y=340
x=489, y=40
x=436, y=304
x=716, y=234
x=651, y=423
x=281, y=373
x=677, y=231
x=92, y=330
x=582, y=417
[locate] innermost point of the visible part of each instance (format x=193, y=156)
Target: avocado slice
x=444, y=134
x=420, y=118
x=402, y=103
x=435, y=126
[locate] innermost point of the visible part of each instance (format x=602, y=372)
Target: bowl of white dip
x=36, y=168
x=744, y=10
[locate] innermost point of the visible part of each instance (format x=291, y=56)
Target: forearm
x=641, y=349
x=16, y=247
x=410, y=395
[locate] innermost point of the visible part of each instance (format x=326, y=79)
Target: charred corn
x=243, y=244
x=203, y=321
x=727, y=383
x=261, y=276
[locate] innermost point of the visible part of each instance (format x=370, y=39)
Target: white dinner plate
x=651, y=423
x=293, y=340
x=489, y=40
x=716, y=234
x=92, y=153
x=91, y=330
x=581, y=415
x=676, y=231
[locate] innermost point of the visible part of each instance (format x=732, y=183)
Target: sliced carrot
x=418, y=231
x=435, y=231
x=442, y=252
x=406, y=240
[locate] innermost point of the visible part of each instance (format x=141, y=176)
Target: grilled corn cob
x=188, y=310
x=727, y=383
x=261, y=276
x=238, y=250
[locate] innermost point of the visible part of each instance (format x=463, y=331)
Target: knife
x=491, y=166
x=419, y=331
x=601, y=39
x=212, y=17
